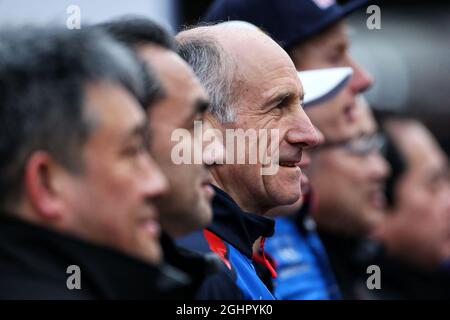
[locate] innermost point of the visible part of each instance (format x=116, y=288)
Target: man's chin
x=148, y=250
x=204, y=214
x=286, y=198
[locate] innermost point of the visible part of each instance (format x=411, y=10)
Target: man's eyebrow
x=278, y=98
x=141, y=130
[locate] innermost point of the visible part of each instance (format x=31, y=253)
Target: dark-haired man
x=77, y=182
x=416, y=227
x=187, y=206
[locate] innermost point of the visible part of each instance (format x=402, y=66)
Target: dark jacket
x=34, y=261
x=350, y=257
x=402, y=281
x=231, y=237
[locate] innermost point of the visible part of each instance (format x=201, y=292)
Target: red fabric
x=263, y=259
x=218, y=246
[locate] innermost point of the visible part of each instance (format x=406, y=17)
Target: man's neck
x=238, y=198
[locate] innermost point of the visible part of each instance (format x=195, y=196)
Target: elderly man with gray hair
x=253, y=85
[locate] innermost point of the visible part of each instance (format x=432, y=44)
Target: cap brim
x=323, y=84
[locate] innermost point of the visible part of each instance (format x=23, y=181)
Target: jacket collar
x=192, y=263
x=106, y=273
x=237, y=227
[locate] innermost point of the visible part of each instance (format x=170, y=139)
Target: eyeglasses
x=360, y=146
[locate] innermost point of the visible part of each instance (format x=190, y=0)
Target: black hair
x=392, y=152
x=398, y=165
x=134, y=31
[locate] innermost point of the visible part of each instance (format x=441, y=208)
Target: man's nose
x=361, y=79
x=380, y=168
x=447, y=196
x=304, y=132
x=153, y=183
x=213, y=149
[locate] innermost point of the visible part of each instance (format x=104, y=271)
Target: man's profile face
x=418, y=225
x=112, y=199
x=187, y=207
x=268, y=97
x=330, y=49
x=353, y=204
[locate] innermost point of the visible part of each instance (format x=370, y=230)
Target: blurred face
x=352, y=204
x=267, y=96
x=187, y=207
x=417, y=228
x=330, y=49
x=112, y=200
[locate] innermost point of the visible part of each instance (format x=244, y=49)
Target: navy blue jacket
x=231, y=237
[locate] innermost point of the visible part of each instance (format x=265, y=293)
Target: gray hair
x=43, y=76
x=215, y=71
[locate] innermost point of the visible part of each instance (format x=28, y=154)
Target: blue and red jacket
x=231, y=236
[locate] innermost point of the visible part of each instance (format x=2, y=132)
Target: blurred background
x=409, y=56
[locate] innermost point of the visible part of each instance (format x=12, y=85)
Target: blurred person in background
x=345, y=200
x=416, y=228
x=301, y=262
x=77, y=183
x=348, y=178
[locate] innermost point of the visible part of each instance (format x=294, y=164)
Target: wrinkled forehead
x=261, y=65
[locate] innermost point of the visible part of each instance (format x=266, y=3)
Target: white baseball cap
x=323, y=84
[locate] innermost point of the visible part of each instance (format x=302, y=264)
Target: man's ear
x=214, y=152
x=43, y=186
